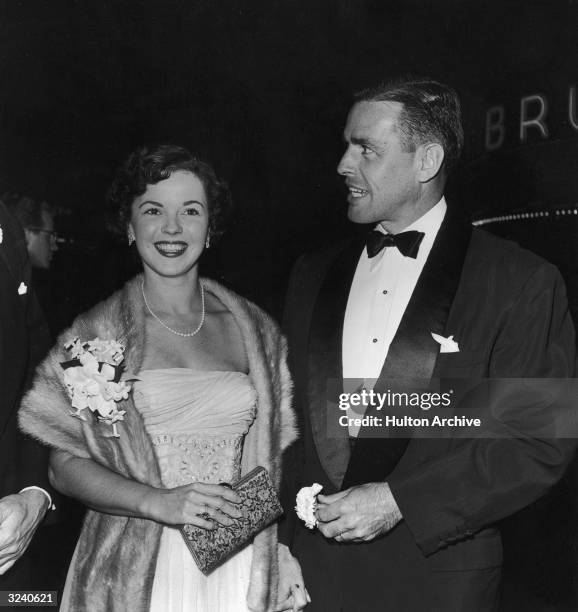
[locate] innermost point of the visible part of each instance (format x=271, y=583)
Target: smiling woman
x=170, y=224
x=147, y=166
x=211, y=402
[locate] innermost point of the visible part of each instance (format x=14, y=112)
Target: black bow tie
x=407, y=242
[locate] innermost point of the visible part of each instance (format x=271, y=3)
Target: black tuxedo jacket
x=24, y=339
x=508, y=311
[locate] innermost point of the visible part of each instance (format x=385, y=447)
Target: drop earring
x=130, y=234
x=208, y=241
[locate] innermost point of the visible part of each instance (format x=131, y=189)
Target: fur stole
x=114, y=564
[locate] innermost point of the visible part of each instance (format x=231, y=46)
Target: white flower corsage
x=307, y=504
x=93, y=379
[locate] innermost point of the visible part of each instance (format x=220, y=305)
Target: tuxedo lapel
x=413, y=352
x=325, y=362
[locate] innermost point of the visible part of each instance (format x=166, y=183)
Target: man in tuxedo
x=24, y=338
x=409, y=523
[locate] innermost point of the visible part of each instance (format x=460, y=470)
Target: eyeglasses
x=54, y=237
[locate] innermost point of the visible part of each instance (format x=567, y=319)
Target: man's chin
x=357, y=214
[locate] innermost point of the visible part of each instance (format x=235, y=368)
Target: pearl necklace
x=174, y=331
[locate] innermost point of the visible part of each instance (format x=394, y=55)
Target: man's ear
x=29, y=237
x=431, y=159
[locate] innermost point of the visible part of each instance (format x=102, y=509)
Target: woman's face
x=170, y=221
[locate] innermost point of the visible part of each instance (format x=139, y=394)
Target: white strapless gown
x=197, y=421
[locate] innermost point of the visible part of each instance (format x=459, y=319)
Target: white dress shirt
x=381, y=289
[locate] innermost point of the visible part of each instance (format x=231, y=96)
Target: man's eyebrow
x=356, y=140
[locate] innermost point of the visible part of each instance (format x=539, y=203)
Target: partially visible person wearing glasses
x=50, y=552
x=37, y=219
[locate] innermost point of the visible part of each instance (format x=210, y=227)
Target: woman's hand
x=106, y=491
x=196, y=504
x=292, y=594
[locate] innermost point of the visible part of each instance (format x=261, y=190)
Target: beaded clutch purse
x=260, y=507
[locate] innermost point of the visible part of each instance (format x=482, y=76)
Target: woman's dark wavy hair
x=150, y=164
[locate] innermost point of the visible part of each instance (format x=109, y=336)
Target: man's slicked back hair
x=431, y=113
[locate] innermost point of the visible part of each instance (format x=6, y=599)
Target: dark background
x=261, y=88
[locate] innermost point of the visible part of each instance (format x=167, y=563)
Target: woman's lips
x=171, y=249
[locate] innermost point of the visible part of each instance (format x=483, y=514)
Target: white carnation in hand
x=307, y=504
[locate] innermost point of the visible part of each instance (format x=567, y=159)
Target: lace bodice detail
x=197, y=422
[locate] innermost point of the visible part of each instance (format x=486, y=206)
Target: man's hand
x=292, y=594
x=359, y=514
x=20, y=515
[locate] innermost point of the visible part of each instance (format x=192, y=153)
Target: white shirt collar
x=429, y=223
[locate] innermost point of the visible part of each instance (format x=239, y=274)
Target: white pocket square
x=447, y=345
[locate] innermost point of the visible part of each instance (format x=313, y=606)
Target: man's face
x=380, y=175
x=41, y=243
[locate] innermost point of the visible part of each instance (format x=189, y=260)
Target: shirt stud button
x=375, y=340
x=384, y=292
